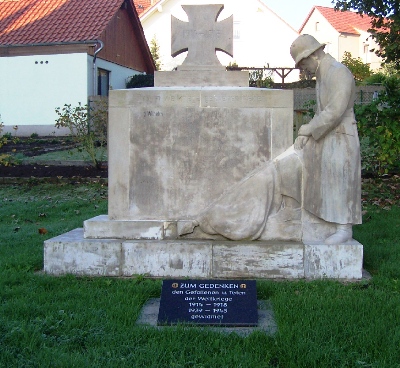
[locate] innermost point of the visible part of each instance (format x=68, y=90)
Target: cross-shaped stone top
x=201, y=37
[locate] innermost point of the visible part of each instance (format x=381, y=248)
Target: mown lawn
x=90, y=322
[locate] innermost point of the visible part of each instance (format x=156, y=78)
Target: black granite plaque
x=208, y=302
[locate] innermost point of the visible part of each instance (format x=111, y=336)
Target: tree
x=379, y=129
x=155, y=52
x=360, y=70
x=385, y=25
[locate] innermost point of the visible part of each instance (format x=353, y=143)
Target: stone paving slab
x=266, y=320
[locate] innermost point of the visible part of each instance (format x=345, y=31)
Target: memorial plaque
x=208, y=302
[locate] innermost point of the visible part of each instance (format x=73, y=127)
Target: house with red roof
x=56, y=52
x=261, y=38
x=342, y=31
x=143, y=5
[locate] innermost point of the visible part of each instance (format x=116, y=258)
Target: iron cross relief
x=201, y=37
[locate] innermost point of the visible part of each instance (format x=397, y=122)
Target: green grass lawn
x=90, y=322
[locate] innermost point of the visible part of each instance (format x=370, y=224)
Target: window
x=317, y=26
x=103, y=82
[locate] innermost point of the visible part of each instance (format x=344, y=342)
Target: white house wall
x=349, y=43
x=366, y=45
x=338, y=44
x=264, y=39
x=33, y=86
x=118, y=74
x=323, y=31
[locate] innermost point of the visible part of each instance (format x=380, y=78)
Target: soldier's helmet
x=303, y=46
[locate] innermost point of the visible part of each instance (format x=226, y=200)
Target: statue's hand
x=300, y=142
x=305, y=130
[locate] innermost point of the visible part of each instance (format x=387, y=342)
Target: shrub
x=376, y=78
x=140, y=81
x=5, y=158
x=369, y=164
x=379, y=121
x=155, y=52
x=359, y=69
x=88, y=127
x=260, y=79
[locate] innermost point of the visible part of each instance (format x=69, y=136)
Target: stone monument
x=179, y=150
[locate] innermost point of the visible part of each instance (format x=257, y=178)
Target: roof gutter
x=89, y=42
x=101, y=45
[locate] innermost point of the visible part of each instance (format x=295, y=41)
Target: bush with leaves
x=5, y=158
x=155, y=52
x=88, y=126
x=359, y=69
x=3, y=140
x=140, y=81
x=376, y=78
x=379, y=121
x=260, y=78
x=369, y=163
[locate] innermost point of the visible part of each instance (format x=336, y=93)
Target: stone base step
x=71, y=253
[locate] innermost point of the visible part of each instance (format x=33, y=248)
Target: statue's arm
x=340, y=84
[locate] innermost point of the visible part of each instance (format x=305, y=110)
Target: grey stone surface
x=71, y=253
x=266, y=320
x=101, y=227
x=174, y=151
x=264, y=259
x=208, y=78
x=167, y=258
x=201, y=37
x=342, y=261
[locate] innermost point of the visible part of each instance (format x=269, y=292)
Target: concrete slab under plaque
x=266, y=320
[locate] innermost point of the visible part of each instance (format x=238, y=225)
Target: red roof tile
x=45, y=21
x=152, y=4
x=142, y=5
x=343, y=21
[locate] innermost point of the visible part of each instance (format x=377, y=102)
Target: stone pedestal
x=172, y=152
x=71, y=253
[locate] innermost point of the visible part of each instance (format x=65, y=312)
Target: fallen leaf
x=42, y=231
